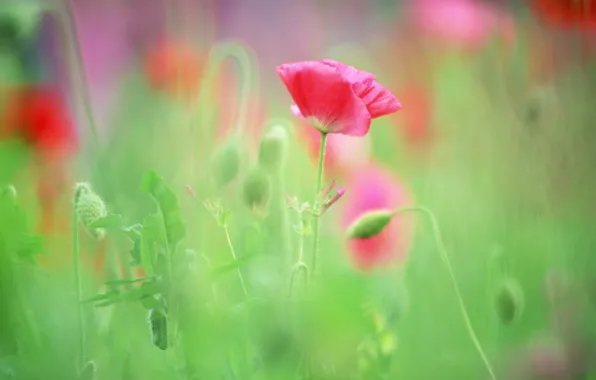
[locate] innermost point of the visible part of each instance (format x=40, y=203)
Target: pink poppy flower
x=336, y=98
x=372, y=188
x=465, y=23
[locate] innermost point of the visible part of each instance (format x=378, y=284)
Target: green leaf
x=167, y=201
x=103, y=296
x=231, y=266
x=110, y=221
x=152, y=234
x=125, y=281
x=134, y=294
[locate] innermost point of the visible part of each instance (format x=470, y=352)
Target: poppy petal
x=323, y=95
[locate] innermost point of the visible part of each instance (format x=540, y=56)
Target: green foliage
x=509, y=178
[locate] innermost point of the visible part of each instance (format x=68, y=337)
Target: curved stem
x=223, y=51
x=316, y=202
x=78, y=287
x=445, y=258
x=235, y=259
x=76, y=65
x=299, y=267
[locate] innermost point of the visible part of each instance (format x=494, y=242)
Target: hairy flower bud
x=369, y=225
x=226, y=163
x=273, y=148
x=89, y=208
x=256, y=189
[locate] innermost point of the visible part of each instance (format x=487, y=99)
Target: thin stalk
x=300, y=266
x=78, y=287
x=231, y=246
x=76, y=66
x=316, y=202
x=445, y=258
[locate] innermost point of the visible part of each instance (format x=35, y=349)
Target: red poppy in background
x=174, y=68
x=567, y=13
x=415, y=125
x=372, y=188
x=336, y=98
x=39, y=116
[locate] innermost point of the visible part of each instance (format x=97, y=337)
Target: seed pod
x=158, y=323
x=273, y=149
x=9, y=192
x=509, y=302
x=89, y=372
x=256, y=189
x=369, y=225
x=226, y=163
x=90, y=208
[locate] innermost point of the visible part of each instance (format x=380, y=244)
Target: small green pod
x=369, y=225
x=226, y=163
x=273, y=149
x=158, y=323
x=256, y=189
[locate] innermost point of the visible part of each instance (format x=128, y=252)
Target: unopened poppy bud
x=273, y=148
x=89, y=208
x=226, y=163
x=256, y=189
x=10, y=193
x=369, y=225
x=158, y=324
x=509, y=302
x=89, y=372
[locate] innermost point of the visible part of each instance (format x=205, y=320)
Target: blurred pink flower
x=372, y=188
x=465, y=23
x=342, y=153
x=336, y=98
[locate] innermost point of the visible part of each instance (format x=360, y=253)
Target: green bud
x=158, y=323
x=509, y=301
x=273, y=148
x=256, y=189
x=9, y=192
x=89, y=208
x=369, y=225
x=89, y=372
x=226, y=163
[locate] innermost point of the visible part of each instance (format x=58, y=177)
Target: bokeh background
x=495, y=138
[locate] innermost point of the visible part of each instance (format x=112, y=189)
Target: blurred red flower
x=567, y=13
x=39, y=116
x=174, y=68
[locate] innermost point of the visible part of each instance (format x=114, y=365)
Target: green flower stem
x=316, y=202
x=445, y=258
x=300, y=266
x=235, y=259
x=71, y=45
x=78, y=287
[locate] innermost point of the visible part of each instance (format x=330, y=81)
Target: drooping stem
x=223, y=51
x=233, y=252
x=316, y=202
x=78, y=287
x=445, y=259
x=76, y=67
